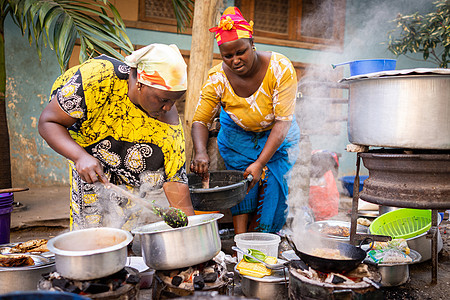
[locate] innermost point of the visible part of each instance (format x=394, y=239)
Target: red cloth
x=324, y=199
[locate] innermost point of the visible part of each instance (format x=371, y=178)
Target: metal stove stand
x=355, y=237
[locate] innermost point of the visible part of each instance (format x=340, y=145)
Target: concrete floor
x=44, y=213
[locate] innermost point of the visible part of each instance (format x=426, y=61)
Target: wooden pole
x=200, y=61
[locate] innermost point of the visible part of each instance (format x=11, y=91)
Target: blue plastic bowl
x=359, y=67
x=365, y=66
x=348, y=181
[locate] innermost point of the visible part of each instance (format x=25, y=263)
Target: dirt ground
x=43, y=213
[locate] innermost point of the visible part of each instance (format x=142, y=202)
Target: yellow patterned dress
x=135, y=150
x=245, y=125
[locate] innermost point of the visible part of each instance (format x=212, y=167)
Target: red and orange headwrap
x=232, y=26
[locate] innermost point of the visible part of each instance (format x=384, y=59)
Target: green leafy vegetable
x=256, y=253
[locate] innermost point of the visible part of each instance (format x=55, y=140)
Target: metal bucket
x=227, y=188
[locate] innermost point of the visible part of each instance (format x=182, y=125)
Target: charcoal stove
x=405, y=178
x=311, y=284
x=121, y=285
x=209, y=277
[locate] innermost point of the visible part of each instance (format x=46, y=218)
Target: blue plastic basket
x=348, y=181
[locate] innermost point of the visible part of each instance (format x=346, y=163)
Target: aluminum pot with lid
x=400, y=109
x=90, y=253
x=167, y=248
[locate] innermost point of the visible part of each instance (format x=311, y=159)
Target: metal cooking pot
x=407, y=109
x=25, y=278
x=227, y=188
x=395, y=274
x=273, y=287
x=167, y=248
x=90, y=253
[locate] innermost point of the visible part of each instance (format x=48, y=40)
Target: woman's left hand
x=255, y=169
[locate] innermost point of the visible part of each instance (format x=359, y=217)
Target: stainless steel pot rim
x=218, y=189
x=221, y=188
x=57, y=251
x=160, y=227
x=443, y=156
x=317, y=226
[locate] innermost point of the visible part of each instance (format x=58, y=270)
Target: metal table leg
x=433, y=234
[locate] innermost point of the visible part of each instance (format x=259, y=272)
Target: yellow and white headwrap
x=159, y=66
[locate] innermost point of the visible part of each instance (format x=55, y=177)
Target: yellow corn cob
x=256, y=269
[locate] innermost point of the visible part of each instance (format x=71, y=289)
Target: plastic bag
x=324, y=198
x=388, y=256
x=397, y=244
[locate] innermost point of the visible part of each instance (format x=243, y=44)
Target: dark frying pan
x=227, y=188
x=356, y=255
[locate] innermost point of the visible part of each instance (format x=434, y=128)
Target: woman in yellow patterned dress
x=255, y=93
x=117, y=122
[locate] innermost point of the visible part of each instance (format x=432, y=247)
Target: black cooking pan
x=227, y=188
x=327, y=265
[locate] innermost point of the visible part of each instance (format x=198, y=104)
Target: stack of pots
x=6, y=207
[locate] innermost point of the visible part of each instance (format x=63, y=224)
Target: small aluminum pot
x=393, y=274
x=167, y=248
x=273, y=287
x=25, y=278
x=90, y=253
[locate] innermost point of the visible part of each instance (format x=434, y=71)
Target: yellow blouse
x=113, y=129
x=274, y=99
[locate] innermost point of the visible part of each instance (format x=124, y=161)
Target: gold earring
x=254, y=48
x=138, y=86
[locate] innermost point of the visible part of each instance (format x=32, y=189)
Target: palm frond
x=60, y=22
x=184, y=10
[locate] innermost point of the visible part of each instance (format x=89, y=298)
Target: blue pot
x=365, y=66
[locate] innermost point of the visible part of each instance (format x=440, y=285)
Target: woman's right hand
x=90, y=169
x=200, y=164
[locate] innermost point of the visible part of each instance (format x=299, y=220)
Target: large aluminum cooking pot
x=167, y=248
x=90, y=253
x=400, y=109
x=25, y=278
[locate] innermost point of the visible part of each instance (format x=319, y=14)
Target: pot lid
x=417, y=71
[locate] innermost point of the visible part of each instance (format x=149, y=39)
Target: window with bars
x=296, y=23
x=311, y=24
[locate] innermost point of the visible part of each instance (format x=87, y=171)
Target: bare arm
x=275, y=139
x=177, y=194
x=53, y=124
x=200, y=163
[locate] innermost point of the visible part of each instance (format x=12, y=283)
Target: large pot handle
x=291, y=243
x=367, y=239
x=249, y=178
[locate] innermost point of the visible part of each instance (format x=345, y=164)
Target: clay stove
x=308, y=284
x=207, y=277
x=121, y=285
